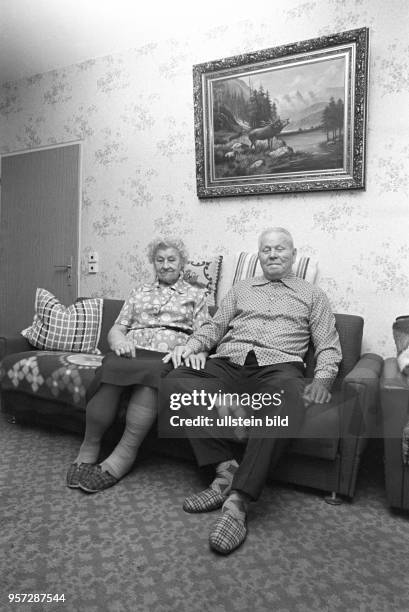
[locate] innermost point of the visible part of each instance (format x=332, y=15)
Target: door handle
x=68, y=268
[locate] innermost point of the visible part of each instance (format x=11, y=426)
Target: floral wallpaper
x=133, y=113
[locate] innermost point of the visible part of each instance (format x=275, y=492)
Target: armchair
x=394, y=397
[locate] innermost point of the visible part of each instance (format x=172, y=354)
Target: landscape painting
x=285, y=120
x=285, y=123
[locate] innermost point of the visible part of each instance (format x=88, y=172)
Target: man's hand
x=316, y=393
x=124, y=348
x=196, y=361
x=179, y=352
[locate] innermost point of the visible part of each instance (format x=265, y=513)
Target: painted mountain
x=303, y=109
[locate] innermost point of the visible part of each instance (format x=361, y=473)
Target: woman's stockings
x=140, y=415
x=100, y=414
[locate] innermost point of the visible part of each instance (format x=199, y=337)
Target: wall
x=134, y=113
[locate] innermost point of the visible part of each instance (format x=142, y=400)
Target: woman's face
x=168, y=264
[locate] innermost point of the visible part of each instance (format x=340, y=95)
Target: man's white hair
x=277, y=230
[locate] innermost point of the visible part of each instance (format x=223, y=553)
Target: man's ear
x=294, y=255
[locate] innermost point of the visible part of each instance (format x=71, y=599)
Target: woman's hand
x=197, y=361
x=123, y=348
x=179, y=353
x=119, y=343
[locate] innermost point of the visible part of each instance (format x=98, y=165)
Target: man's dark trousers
x=264, y=445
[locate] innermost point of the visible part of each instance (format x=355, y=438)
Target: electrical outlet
x=92, y=257
x=93, y=268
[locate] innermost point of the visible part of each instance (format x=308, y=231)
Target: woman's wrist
x=116, y=336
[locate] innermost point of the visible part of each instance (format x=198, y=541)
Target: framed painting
x=282, y=120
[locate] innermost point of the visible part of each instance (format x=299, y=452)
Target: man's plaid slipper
x=205, y=501
x=227, y=534
x=95, y=479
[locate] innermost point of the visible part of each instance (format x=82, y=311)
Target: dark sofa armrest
x=361, y=385
x=394, y=393
x=392, y=377
x=13, y=344
x=367, y=369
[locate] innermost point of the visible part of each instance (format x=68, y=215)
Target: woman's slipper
x=75, y=471
x=95, y=479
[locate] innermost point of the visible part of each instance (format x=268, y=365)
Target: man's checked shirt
x=275, y=319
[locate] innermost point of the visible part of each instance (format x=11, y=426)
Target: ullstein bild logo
x=228, y=421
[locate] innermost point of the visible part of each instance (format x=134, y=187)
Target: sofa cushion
x=111, y=311
x=321, y=431
x=59, y=376
x=248, y=265
x=319, y=435
x=65, y=328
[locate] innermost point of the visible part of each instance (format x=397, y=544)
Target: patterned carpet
x=132, y=548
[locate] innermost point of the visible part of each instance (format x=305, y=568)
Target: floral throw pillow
x=205, y=274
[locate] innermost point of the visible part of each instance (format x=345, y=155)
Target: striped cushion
x=247, y=265
x=59, y=328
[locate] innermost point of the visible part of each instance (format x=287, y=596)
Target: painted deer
x=267, y=132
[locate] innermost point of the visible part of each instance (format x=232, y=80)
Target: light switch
x=93, y=267
x=93, y=257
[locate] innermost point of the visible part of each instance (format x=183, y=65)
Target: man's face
x=277, y=255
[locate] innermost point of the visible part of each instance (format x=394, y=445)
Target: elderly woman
x=155, y=318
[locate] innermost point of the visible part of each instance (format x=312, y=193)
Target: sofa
x=49, y=387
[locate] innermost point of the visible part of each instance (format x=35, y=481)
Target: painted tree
x=326, y=121
x=274, y=114
x=333, y=118
x=260, y=108
x=340, y=115
x=332, y=113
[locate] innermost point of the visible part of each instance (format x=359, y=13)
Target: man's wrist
x=325, y=381
x=194, y=345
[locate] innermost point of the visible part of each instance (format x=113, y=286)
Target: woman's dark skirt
x=145, y=369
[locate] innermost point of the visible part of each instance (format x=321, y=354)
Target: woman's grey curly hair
x=167, y=243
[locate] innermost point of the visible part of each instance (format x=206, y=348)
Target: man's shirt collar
x=289, y=280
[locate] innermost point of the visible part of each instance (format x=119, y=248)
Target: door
x=39, y=223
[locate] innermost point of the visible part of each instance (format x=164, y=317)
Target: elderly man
x=260, y=334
